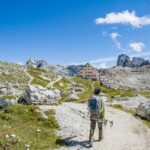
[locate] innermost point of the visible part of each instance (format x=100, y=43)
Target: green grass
x=9, y=97
x=128, y=110
x=63, y=97
x=14, y=74
x=28, y=116
x=36, y=74
x=88, y=87
x=115, y=92
x=145, y=94
x=147, y=123
x=66, y=84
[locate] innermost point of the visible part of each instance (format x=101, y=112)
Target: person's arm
x=102, y=111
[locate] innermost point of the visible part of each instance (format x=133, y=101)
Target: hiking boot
x=100, y=138
x=90, y=145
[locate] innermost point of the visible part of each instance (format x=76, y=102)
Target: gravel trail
x=127, y=133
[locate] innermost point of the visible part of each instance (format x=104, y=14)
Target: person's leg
x=92, y=129
x=100, y=127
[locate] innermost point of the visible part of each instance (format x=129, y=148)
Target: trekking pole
x=104, y=122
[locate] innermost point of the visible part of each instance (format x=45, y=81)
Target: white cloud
x=137, y=46
x=100, y=60
x=103, y=65
x=125, y=17
x=114, y=36
x=100, y=65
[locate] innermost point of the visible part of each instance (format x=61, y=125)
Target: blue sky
x=74, y=31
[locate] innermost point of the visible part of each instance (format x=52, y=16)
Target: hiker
x=96, y=109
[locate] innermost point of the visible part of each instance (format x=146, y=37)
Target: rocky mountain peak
x=125, y=61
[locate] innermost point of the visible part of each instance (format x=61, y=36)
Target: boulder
x=144, y=110
x=124, y=60
x=38, y=95
x=5, y=102
x=72, y=97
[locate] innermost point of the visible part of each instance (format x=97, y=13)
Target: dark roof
x=89, y=65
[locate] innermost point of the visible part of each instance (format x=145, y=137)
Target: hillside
x=137, y=78
x=38, y=86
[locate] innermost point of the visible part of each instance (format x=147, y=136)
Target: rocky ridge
x=137, y=78
x=125, y=61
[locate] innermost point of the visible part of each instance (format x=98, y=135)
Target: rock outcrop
x=137, y=78
x=72, y=97
x=139, y=62
x=9, y=89
x=5, y=102
x=39, y=95
x=124, y=61
x=36, y=63
x=144, y=110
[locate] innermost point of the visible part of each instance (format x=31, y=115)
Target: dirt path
x=128, y=133
x=30, y=78
x=53, y=82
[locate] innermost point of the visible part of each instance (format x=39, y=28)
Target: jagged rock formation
x=137, y=78
x=36, y=63
x=144, y=110
x=137, y=62
x=125, y=61
x=40, y=95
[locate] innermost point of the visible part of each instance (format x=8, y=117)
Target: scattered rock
x=13, y=135
x=7, y=136
x=137, y=78
x=4, y=102
x=132, y=102
x=72, y=97
x=144, y=110
x=39, y=95
x=9, y=89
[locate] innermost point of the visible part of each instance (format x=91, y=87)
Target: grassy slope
x=88, y=87
x=18, y=115
x=37, y=75
x=13, y=73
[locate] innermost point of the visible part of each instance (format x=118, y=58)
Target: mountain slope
x=126, y=78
